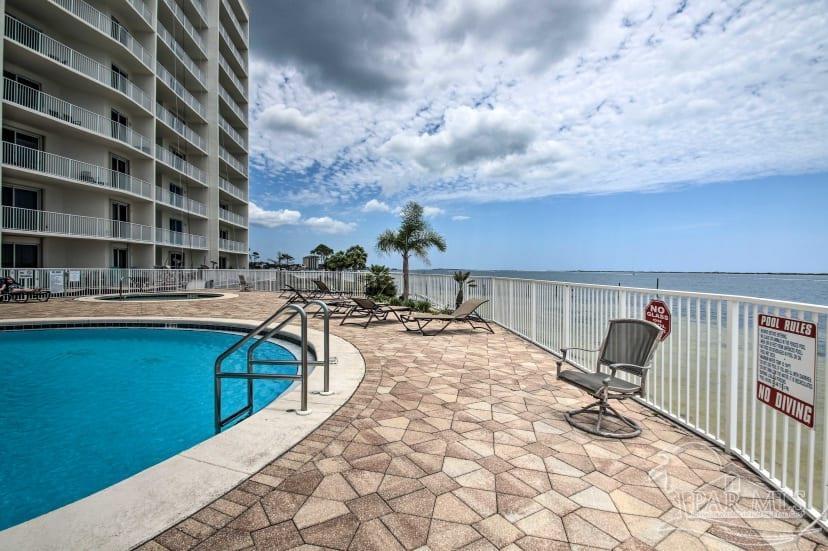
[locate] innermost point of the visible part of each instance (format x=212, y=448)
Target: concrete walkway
x=458, y=442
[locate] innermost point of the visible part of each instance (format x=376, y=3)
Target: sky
x=545, y=134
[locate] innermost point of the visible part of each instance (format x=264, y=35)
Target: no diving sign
x=786, y=366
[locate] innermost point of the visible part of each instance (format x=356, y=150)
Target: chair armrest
x=565, y=351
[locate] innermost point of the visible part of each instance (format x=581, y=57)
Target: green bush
x=379, y=282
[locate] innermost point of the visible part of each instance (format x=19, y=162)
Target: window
x=176, y=260
x=222, y=262
x=15, y=154
x=27, y=96
x=119, y=125
x=175, y=188
x=120, y=258
x=121, y=167
x=21, y=197
x=19, y=255
x=119, y=78
x=176, y=225
x=224, y=234
x=118, y=32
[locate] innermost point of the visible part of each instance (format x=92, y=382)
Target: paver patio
x=458, y=442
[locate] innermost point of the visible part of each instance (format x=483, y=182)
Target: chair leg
x=603, y=410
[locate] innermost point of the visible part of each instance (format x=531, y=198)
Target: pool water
x=162, y=296
x=81, y=409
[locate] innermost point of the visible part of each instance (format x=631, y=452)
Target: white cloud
x=272, y=218
x=326, y=224
x=375, y=205
x=278, y=118
x=286, y=217
x=431, y=212
x=460, y=218
x=491, y=105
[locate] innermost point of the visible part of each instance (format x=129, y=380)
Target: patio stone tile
x=457, y=441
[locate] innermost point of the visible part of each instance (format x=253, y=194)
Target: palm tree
x=322, y=250
x=414, y=237
x=463, y=279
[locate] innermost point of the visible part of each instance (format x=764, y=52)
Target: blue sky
x=574, y=134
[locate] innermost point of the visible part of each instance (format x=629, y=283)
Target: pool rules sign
x=786, y=366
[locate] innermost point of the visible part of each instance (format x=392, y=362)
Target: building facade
x=311, y=261
x=124, y=133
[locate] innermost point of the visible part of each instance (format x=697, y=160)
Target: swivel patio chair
x=465, y=313
x=628, y=348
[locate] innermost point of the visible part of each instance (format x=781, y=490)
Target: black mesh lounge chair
x=367, y=308
x=628, y=347
x=335, y=306
x=327, y=291
x=243, y=285
x=13, y=292
x=465, y=313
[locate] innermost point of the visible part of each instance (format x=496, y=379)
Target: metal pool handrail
x=249, y=375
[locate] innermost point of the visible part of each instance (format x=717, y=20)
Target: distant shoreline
x=619, y=271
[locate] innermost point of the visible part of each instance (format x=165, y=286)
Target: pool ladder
x=289, y=312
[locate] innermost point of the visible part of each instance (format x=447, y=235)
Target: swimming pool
x=84, y=408
x=152, y=297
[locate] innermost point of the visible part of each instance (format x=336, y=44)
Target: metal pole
x=304, y=407
x=217, y=399
x=326, y=352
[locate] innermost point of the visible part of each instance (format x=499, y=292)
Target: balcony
x=188, y=27
x=180, y=54
x=143, y=10
x=34, y=40
x=232, y=133
x=19, y=158
x=241, y=30
x=235, y=54
x=180, y=202
x=232, y=217
x=72, y=225
x=198, y=6
x=179, y=90
x=179, y=239
x=232, y=246
x=232, y=190
x=234, y=163
x=179, y=127
x=174, y=161
x=231, y=74
x=56, y=108
x=233, y=106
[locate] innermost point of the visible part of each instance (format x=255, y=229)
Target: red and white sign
x=658, y=312
x=786, y=366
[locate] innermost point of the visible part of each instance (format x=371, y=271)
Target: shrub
x=379, y=282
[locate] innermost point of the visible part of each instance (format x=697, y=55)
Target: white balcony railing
x=234, y=51
x=232, y=132
x=231, y=103
x=104, y=23
x=179, y=201
x=142, y=9
x=50, y=164
x=232, y=217
x=180, y=128
x=179, y=239
x=240, y=29
x=180, y=53
x=233, y=190
x=231, y=160
x=179, y=90
x=58, y=223
x=198, y=5
x=231, y=74
x=188, y=27
x=172, y=160
x=30, y=37
x=34, y=99
x=232, y=246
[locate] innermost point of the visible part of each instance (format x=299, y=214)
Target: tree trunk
x=405, y=277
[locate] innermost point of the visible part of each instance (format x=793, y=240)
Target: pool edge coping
x=222, y=296
x=131, y=511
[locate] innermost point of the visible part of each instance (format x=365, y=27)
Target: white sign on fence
x=25, y=274
x=786, y=366
x=56, y=281
x=74, y=276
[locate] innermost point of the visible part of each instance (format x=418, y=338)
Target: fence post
x=733, y=372
x=533, y=310
x=567, y=317
x=622, y=304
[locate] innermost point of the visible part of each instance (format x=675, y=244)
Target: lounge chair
x=11, y=291
x=325, y=290
x=243, y=285
x=465, y=313
x=628, y=347
x=367, y=308
x=335, y=306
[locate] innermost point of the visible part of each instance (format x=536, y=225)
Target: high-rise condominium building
x=124, y=133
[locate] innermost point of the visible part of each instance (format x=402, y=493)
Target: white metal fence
x=58, y=223
x=704, y=374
